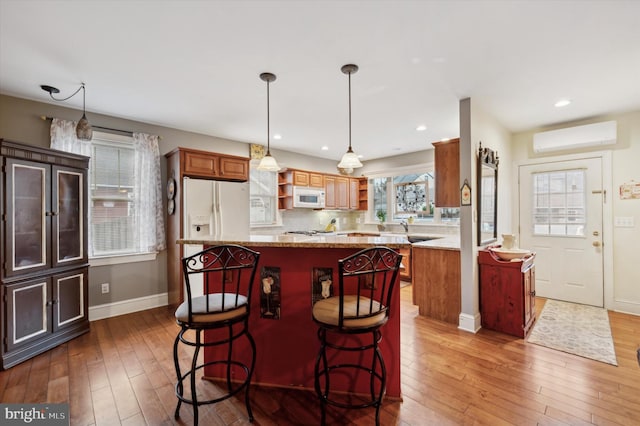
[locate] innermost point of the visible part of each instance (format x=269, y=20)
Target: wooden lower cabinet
x=436, y=283
x=507, y=294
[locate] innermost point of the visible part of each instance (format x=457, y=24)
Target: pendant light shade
x=84, y=132
x=349, y=159
x=268, y=163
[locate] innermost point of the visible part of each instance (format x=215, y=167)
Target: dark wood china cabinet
x=44, y=267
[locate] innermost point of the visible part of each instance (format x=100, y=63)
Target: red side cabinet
x=507, y=294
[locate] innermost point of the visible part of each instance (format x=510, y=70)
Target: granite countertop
x=306, y=241
x=436, y=241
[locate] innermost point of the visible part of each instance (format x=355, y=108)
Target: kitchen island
x=284, y=331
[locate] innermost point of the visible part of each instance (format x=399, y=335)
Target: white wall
x=476, y=126
x=625, y=167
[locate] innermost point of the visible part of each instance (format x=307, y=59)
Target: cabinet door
x=71, y=298
x=300, y=178
x=316, y=180
x=234, y=168
x=28, y=312
x=330, y=192
x=28, y=201
x=200, y=164
x=68, y=227
x=342, y=193
x=354, y=187
x=447, y=173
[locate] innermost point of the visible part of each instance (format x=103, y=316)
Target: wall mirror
x=487, y=172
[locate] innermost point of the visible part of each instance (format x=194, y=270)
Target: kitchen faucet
x=405, y=225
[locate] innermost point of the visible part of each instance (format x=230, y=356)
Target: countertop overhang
x=305, y=241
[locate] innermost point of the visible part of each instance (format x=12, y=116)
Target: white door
x=561, y=206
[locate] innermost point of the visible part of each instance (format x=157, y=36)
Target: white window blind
x=112, y=198
x=264, y=197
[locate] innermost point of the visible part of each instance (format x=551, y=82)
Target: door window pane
x=559, y=203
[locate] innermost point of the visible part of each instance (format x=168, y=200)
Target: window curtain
x=148, y=191
x=149, y=214
x=63, y=138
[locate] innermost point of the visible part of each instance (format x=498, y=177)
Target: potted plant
x=382, y=216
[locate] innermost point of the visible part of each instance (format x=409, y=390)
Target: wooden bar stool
x=227, y=273
x=361, y=308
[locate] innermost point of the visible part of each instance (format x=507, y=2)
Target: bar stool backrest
x=227, y=270
x=370, y=276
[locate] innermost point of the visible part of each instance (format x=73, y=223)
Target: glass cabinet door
x=27, y=222
x=68, y=224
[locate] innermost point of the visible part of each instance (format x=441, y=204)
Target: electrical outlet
x=105, y=288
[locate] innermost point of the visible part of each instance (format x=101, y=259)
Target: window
x=407, y=194
x=559, y=203
x=112, y=198
x=264, y=200
x=125, y=195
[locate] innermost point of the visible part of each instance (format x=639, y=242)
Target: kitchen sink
x=418, y=239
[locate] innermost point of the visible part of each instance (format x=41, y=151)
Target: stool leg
x=250, y=375
x=383, y=373
x=179, y=387
x=322, y=357
x=194, y=365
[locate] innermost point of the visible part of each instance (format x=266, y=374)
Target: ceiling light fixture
x=562, y=103
x=268, y=163
x=349, y=159
x=421, y=128
x=84, y=132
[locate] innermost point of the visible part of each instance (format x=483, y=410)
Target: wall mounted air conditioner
x=576, y=137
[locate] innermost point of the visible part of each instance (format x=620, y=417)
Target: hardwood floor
x=122, y=373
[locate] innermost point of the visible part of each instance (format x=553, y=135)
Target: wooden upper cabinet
x=305, y=178
x=200, y=164
x=342, y=193
x=300, y=178
x=234, y=168
x=354, y=193
x=210, y=165
x=447, y=173
x=316, y=180
x=330, y=199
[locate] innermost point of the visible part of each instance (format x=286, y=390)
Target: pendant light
x=84, y=132
x=268, y=163
x=349, y=159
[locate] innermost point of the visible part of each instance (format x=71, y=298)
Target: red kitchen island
x=283, y=328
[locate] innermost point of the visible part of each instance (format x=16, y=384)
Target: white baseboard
x=470, y=323
x=109, y=310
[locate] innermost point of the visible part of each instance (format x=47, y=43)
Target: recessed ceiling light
x=325, y=148
x=562, y=103
x=444, y=139
x=277, y=136
x=421, y=128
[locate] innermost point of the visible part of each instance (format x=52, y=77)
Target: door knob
x=596, y=243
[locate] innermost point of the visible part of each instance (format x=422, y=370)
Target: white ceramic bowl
x=510, y=254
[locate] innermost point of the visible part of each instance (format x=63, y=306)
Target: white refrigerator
x=213, y=210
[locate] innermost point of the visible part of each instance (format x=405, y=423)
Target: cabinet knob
x=596, y=243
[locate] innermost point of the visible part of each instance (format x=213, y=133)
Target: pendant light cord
x=70, y=96
x=268, y=121
x=350, y=111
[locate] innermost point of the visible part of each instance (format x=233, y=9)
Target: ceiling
x=195, y=65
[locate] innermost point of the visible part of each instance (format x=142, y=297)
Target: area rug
x=576, y=329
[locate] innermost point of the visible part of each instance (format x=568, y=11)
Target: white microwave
x=310, y=198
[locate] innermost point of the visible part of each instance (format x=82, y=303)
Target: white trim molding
x=470, y=323
x=109, y=310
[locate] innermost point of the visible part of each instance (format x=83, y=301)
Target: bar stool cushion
x=327, y=311
x=200, y=314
